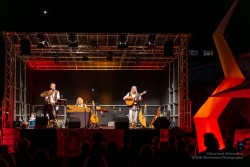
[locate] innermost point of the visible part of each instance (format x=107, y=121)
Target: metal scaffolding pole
x=8, y=102
x=184, y=102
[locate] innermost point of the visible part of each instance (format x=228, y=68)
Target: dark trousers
x=50, y=109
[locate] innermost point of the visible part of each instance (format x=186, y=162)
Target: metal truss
x=72, y=59
x=8, y=103
x=184, y=102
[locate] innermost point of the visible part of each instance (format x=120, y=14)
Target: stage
x=66, y=142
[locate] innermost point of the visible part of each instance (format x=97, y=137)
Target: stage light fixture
x=122, y=41
x=42, y=43
x=56, y=58
x=94, y=43
x=151, y=41
x=25, y=46
x=137, y=60
x=168, y=48
x=110, y=56
x=72, y=40
x=85, y=58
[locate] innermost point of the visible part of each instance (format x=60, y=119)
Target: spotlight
x=85, y=58
x=168, y=48
x=56, y=59
x=151, y=41
x=94, y=43
x=42, y=43
x=137, y=60
x=122, y=41
x=72, y=40
x=110, y=56
x=25, y=46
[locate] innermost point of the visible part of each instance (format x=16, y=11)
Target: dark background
x=109, y=86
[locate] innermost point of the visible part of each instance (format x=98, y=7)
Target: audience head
x=210, y=141
x=23, y=145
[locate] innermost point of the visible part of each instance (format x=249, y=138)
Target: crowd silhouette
x=177, y=150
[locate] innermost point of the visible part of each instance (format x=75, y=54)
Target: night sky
x=199, y=17
x=194, y=16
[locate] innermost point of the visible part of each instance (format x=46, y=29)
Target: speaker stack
x=161, y=123
x=121, y=123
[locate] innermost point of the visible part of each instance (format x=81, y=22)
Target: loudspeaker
x=41, y=121
x=168, y=48
x=25, y=46
x=74, y=122
x=161, y=123
x=121, y=123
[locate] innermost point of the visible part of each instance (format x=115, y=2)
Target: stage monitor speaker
x=168, y=48
x=74, y=122
x=41, y=121
x=161, y=123
x=121, y=123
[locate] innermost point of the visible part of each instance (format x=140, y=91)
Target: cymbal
x=46, y=93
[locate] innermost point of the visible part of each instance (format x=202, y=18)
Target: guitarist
x=135, y=97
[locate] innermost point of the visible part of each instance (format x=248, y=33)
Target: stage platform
x=66, y=142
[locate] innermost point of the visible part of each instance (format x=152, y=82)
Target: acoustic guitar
x=130, y=100
x=94, y=117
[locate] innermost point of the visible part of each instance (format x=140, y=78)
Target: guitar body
x=129, y=101
x=94, y=118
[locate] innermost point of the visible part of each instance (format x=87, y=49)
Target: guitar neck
x=144, y=92
x=93, y=106
x=145, y=110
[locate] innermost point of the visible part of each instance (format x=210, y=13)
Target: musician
x=133, y=110
x=51, y=107
x=79, y=102
x=86, y=112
